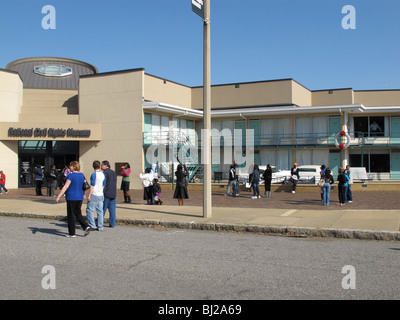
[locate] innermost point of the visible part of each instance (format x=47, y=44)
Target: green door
x=241, y=125
x=395, y=129
x=395, y=165
x=147, y=129
x=257, y=159
x=335, y=126
x=190, y=131
x=254, y=124
x=334, y=163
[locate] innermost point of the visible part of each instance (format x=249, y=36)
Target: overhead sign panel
x=198, y=7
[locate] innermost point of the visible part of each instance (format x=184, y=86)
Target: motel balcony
x=316, y=140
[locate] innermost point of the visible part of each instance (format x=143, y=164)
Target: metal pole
x=207, y=209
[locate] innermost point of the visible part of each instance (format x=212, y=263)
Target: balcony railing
x=270, y=140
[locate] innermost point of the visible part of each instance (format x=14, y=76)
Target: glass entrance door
x=27, y=165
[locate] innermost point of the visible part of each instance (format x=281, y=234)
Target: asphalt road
x=128, y=262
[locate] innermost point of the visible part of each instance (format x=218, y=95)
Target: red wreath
x=342, y=133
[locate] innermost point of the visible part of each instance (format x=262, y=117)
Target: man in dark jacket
x=110, y=192
x=232, y=181
x=295, y=176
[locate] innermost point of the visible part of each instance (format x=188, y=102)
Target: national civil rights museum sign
x=44, y=131
x=48, y=133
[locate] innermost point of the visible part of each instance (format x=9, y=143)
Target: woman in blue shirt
x=74, y=196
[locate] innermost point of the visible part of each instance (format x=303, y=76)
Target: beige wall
x=160, y=90
x=301, y=96
x=115, y=101
x=49, y=105
x=377, y=98
x=9, y=162
x=248, y=94
x=10, y=96
x=337, y=97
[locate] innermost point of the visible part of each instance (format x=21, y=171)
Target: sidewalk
x=372, y=215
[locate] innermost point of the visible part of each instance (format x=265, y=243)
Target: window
x=373, y=162
x=369, y=126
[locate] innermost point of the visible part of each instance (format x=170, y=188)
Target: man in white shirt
x=96, y=197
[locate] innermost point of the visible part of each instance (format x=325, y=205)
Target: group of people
x=152, y=189
x=344, y=187
x=254, y=181
x=52, y=177
x=102, y=196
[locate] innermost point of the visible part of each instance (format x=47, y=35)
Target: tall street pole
x=207, y=208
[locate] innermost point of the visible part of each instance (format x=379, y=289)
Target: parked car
x=278, y=176
x=309, y=174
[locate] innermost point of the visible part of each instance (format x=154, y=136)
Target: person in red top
x=3, y=182
x=126, y=171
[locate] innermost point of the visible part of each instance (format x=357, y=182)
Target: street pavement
x=373, y=215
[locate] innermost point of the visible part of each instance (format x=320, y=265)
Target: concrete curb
x=287, y=231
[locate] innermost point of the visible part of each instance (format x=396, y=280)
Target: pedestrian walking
x=267, y=175
x=110, y=193
x=181, y=192
x=126, y=171
x=95, y=198
x=255, y=182
x=326, y=189
x=3, y=182
x=294, y=176
x=74, y=196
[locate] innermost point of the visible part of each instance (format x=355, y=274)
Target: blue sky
x=251, y=40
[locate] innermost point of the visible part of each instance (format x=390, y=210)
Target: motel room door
x=334, y=163
x=395, y=164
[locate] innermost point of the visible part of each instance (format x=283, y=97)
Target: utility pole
x=202, y=8
x=207, y=188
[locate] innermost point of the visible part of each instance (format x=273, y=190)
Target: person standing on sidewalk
x=349, y=194
x=126, y=171
x=342, y=188
x=3, y=182
x=255, y=182
x=51, y=180
x=326, y=189
x=181, y=192
x=267, y=175
x=110, y=193
x=74, y=196
x=38, y=176
x=96, y=197
x=294, y=176
x=232, y=182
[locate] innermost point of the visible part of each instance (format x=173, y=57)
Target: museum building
x=55, y=110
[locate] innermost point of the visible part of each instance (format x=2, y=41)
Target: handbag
x=85, y=185
x=321, y=182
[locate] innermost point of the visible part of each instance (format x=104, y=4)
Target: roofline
x=32, y=59
x=13, y=72
x=102, y=74
x=258, y=111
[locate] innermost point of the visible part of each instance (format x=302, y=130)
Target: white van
x=309, y=174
